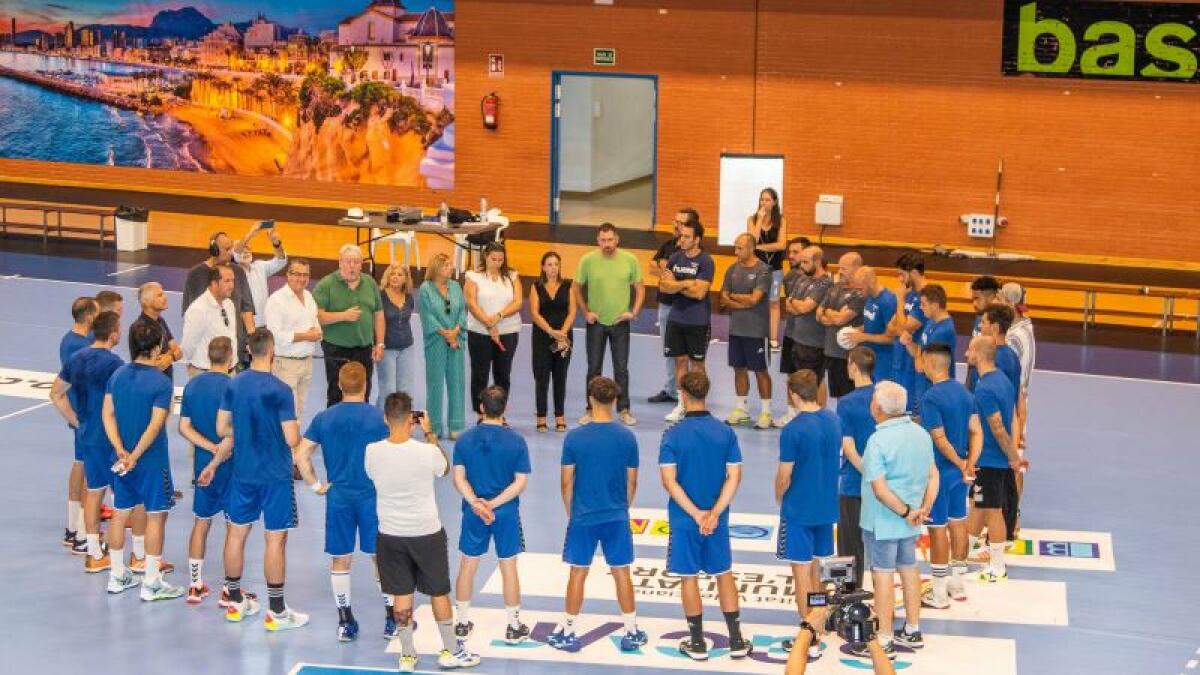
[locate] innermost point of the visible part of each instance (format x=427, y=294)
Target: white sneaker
x=120, y=584
x=285, y=620
x=236, y=611
x=159, y=589
x=781, y=421
x=459, y=659
x=957, y=589
x=738, y=416
x=408, y=664
x=627, y=418
x=764, y=421
x=675, y=415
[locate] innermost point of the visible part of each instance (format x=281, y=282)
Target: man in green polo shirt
x=351, y=315
x=602, y=285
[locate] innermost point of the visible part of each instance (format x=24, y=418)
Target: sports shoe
x=932, y=601
x=692, y=650
x=586, y=419
x=463, y=630
x=958, y=591
x=989, y=577
x=79, y=547
x=408, y=664
x=159, y=589
x=236, y=611
x=738, y=416
x=561, y=641
x=119, y=584
x=740, y=649
x=633, y=640
x=459, y=659
x=138, y=565
x=863, y=651
x=68, y=538
x=225, y=603
x=662, y=397
x=93, y=565
x=347, y=631
x=627, y=418
x=910, y=640
x=675, y=415
x=515, y=636
x=764, y=420
x=390, y=630
x=285, y=620
x=197, y=594
x=781, y=421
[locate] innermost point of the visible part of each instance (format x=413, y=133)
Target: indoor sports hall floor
x=1107, y=585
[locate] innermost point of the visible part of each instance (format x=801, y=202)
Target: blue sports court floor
x=1102, y=584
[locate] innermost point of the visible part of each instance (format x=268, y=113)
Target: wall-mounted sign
x=602, y=56
x=495, y=65
x=1102, y=40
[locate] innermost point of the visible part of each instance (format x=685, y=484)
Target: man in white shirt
x=210, y=315
x=291, y=316
x=411, y=550
x=258, y=271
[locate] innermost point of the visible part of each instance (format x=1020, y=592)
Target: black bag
x=459, y=216
x=481, y=239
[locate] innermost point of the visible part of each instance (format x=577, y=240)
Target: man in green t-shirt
x=351, y=315
x=602, y=287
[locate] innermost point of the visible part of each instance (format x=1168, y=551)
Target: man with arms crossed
x=689, y=275
x=83, y=312
x=701, y=467
x=790, y=286
x=842, y=306
x=745, y=293
x=657, y=264
x=808, y=335
x=599, y=478
x=491, y=469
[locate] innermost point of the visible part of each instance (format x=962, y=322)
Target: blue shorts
x=689, y=553
x=776, y=283
x=799, y=544
x=615, y=539
x=97, y=466
x=210, y=500
x=887, y=556
x=748, y=352
x=274, y=501
x=505, y=531
x=951, y=502
x=150, y=487
x=346, y=516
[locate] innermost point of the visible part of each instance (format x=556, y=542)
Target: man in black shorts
x=411, y=548
x=689, y=275
x=657, y=264
x=843, y=306
x=745, y=294
x=791, y=281
x=807, y=334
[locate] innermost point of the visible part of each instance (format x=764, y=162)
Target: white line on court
x=24, y=410
x=129, y=269
x=78, y=283
x=302, y=664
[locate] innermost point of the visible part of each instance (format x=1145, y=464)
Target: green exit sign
x=604, y=57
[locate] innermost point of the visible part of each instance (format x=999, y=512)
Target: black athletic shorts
x=413, y=563
x=840, y=383
x=686, y=340
x=994, y=488
x=787, y=363
x=748, y=352
x=808, y=358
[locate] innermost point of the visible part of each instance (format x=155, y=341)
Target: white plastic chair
x=463, y=248
x=406, y=238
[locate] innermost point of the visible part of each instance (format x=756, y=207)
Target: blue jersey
x=87, y=372
x=343, y=432
x=492, y=455
x=700, y=448
x=602, y=453
x=813, y=443
x=260, y=403
x=877, y=314
x=201, y=400
x=934, y=333
x=854, y=414
x=1007, y=362
x=994, y=394
x=904, y=369
x=136, y=390
x=948, y=406
x=71, y=343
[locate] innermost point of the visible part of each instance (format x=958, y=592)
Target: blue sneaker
x=566, y=642
x=633, y=640
x=390, y=630
x=347, y=631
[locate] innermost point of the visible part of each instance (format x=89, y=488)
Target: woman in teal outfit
x=444, y=326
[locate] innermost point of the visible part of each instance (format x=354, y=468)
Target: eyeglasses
x=299, y=274
x=225, y=317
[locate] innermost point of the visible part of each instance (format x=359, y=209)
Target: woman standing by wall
x=443, y=325
x=552, y=308
x=396, y=366
x=769, y=230
x=494, y=298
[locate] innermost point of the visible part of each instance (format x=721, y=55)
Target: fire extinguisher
x=490, y=107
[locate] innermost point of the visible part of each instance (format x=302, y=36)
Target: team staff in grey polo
x=843, y=306
x=807, y=334
x=746, y=293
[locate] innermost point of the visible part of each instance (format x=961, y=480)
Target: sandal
x=560, y=425
x=541, y=427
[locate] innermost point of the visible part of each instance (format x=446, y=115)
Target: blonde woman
x=444, y=327
x=396, y=366
x=494, y=298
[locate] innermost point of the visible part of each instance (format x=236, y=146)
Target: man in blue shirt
x=938, y=330
x=491, y=470
x=878, y=312
x=806, y=488
x=202, y=398
x=258, y=411
x=994, y=322
x=701, y=466
x=599, y=478
x=86, y=374
x=948, y=414
x=984, y=292
x=689, y=275
x=137, y=401
x=909, y=320
x=854, y=414
x=83, y=312
x=343, y=431
x=899, y=485
x=995, y=486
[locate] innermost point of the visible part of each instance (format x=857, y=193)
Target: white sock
x=630, y=621
x=340, y=581
x=958, y=569
x=196, y=572
x=75, y=518
x=741, y=402
x=93, y=546
x=568, y=624
x=940, y=580
x=996, y=562
x=118, y=561
x=766, y=406
x=139, y=546
x=153, y=569
x=463, y=613
x=514, y=615
x=911, y=628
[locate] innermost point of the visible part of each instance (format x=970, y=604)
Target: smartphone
x=418, y=415
x=266, y=224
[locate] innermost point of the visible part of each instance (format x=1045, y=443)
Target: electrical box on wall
x=979, y=225
x=828, y=210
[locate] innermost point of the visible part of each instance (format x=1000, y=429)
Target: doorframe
x=555, y=84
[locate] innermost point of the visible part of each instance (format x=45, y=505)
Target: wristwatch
x=805, y=625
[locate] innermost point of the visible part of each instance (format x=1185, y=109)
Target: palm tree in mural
x=355, y=60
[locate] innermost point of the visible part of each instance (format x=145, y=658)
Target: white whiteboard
x=743, y=177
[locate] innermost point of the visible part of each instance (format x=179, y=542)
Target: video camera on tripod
x=849, y=615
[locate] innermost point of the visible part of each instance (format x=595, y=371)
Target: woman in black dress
x=769, y=230
x=552, y=308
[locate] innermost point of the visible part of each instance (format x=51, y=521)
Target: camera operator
x=811, y=629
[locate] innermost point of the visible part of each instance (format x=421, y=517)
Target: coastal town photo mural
x=332, y=90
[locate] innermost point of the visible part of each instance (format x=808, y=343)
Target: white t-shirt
x=403, y=474
x=1020, y=338
x=493, y=296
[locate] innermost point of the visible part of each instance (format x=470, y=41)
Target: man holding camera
x=900, y=483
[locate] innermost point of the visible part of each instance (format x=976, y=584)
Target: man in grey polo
x=745, y=295
x=807, y=334
x=843, y=306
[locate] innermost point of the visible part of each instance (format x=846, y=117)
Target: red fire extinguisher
x=491, y=111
